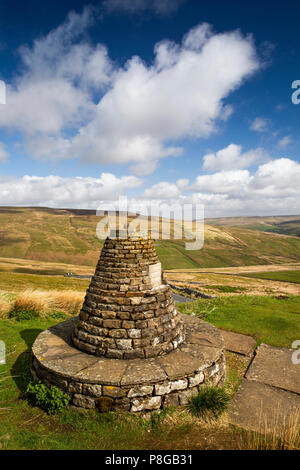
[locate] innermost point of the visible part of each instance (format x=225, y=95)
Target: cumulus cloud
x=232, y=157
x=161, y=7
x=59, y=74
x=259, y=124
x=56, y=191
x=4, y=155
x=70, y=100
x=273, y=189
x=166, y=190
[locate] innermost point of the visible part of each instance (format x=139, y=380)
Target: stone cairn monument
x=129, y=349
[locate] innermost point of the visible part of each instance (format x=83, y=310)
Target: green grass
x=286, y=276
x=23, y=426
x=226, y=289
x=15, y=282
x=270, y=320
x=210, y=402
x=69, y=236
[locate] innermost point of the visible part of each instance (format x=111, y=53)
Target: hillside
x=68, y=236
x=286, y=225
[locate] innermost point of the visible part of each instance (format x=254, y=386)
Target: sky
x=171, y=101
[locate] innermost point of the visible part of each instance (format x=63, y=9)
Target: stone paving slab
x=273, y=366
x=237, y=343
x=179, y=361
x=201, y=332
x=259, y=407
x=139, y=371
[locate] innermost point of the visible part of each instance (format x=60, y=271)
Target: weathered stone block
x=83, y=401
x=124, y=343
x=122, y=404
x=140, y=391
x=134, y=333
x=171, y=399
x=108, y=315
x=128, y=324
x=134, y=354
x=180, y=384
x=114, y=353
x=140, y=404
x=211, y=371
x=75, y=387
x=117, y=333
x=111, y=323
x=162, y=389
x=113, y=392
x=196, y=379
x=93, y=390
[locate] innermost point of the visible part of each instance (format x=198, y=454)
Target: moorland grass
x=16, y=282
x=271, y=320
x=68, y=237
x=285, y=276
x=23, y=426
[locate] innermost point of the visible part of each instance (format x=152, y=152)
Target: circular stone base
x=134, y=384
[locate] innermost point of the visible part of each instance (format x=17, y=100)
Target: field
x=284, y=276
x=68, y=237
x=255, y=276
x=240, y=280
x=26, y=427
x=271, y=320
x=286, y=225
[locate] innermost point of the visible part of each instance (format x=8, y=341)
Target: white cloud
x=259, y=124
x=273, y=189
x=161, y=7
x=143, y=110
x=4, y=155
x=284, y=142
x=56, y=191
x=59, y=75
x=166, y=190
x=232, y=157
x=224, y=182
x=180, y=95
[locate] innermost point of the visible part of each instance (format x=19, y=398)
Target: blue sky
x=177, y=101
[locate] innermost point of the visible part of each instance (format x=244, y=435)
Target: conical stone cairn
x=128, y=311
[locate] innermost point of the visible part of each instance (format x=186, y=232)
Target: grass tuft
x=5, y=307
x=283, y=436
x=210, y=402
x=39, y=303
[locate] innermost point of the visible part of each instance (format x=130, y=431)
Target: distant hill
x=286, y=224
x=69, y=236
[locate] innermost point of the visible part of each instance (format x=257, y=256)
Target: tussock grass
x=5, y=307
x=40, y=303
x=283, y=436
x=210, y=402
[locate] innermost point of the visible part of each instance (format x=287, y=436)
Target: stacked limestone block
x=128, y=311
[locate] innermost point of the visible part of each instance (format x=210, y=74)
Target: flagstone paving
x=274, y=366
x=237, y=343
x=259, y=407
x=269, y=395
